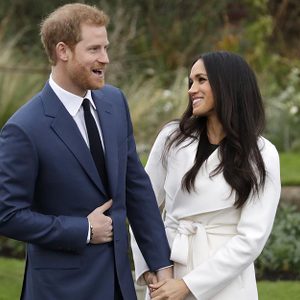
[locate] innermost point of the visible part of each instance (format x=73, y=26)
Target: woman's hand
x=170, y=289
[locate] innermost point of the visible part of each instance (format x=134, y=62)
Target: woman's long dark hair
x=240, y=110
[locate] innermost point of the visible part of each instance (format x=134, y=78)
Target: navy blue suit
x=49, y=184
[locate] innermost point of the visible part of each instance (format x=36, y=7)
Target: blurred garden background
x=152, y=44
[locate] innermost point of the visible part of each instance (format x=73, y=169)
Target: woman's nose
x=193, y=89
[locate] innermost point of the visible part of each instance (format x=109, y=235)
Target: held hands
x=150, y=278
x=154, y=277
x=102, y=224
x=169, y=289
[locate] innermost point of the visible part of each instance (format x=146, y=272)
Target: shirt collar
x=70, y=101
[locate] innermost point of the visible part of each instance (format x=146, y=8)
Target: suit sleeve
x=157, y=174
x=19, y=167
x=142, y=210
x=253, y=230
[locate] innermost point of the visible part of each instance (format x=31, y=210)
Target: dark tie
x=95, y=143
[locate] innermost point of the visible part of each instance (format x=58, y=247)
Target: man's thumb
x=107, y=205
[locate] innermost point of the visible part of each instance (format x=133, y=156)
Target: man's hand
x=102, y=225
x=150, y=277
x=164, y=274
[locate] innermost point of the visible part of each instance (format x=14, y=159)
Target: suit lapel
x=108, y=128
x=66, y=129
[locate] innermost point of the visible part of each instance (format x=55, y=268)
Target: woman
x=218, y=181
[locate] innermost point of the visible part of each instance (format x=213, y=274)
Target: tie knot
x=86, y=104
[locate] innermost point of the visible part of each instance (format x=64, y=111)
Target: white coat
x=213, y=244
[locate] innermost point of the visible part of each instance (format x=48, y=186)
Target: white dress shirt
x=73, y=105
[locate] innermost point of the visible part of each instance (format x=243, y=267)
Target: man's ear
x=63, y=51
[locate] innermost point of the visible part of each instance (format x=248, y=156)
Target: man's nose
x=103, y=57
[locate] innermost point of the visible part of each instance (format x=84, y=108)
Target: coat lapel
x=66, y=129
x=212, y=198
x=108, y=128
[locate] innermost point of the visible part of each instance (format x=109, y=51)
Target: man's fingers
x=157, y=285
x=107, y=205
x=154, y=280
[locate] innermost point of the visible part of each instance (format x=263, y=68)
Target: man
x=61, y=192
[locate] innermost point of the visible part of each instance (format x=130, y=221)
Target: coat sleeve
x=253, y=230
x=18, y=220
x=157, y=174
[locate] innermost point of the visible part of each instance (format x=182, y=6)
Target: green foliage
x=16, y=86
x=152, y=105
x=284, y=109
x=154, y=53
x=286, y=28
x=15, y=90
x=281, y=256
x=27, y=15
x=11, y=248
x=152, y=43
x=289, y=168
x=172, y=41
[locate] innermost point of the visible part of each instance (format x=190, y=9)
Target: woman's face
x=200, y=91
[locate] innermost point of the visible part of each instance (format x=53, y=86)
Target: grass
x=290, y=166
x=11, y=274
x=279, y=290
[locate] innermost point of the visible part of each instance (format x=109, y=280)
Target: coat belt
x=190, y=246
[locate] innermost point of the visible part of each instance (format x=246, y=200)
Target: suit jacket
x=223, y=241
x=49, y=184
